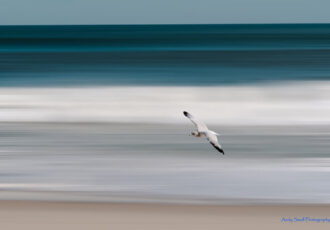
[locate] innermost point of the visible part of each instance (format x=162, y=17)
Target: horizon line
x=175, y=24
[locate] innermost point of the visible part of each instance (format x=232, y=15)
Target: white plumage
x=203, y=131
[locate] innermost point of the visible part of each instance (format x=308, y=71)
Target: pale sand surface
x=87, y=215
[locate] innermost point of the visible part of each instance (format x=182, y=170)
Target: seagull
x=203, y=131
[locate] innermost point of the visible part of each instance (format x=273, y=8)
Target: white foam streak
x=291, y=103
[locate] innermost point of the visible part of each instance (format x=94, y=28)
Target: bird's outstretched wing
x=201, y=127
x=212, y=138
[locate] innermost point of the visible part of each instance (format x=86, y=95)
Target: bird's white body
x=203, y=131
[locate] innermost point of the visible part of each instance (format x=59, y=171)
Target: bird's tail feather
x=214, y=133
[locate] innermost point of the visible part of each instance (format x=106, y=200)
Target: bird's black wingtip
x=221, y=151
x=185, y=113
x=217, y=148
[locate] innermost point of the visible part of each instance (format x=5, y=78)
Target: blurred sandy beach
x=73, y=215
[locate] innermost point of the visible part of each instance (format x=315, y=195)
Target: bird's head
x=195, y=134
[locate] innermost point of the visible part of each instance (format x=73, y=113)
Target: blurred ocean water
x=163, y=54
x=125, y=162
x=97, y=110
